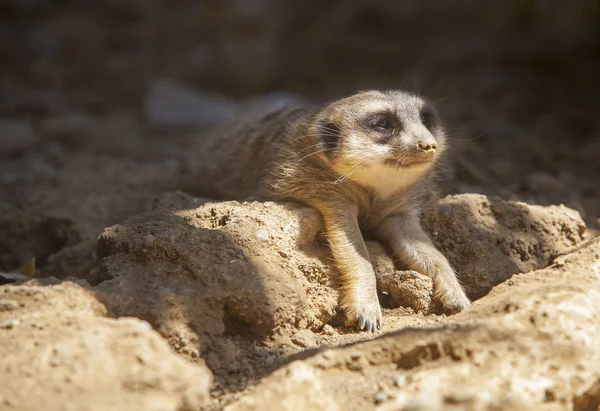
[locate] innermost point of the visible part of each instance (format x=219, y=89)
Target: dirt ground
x=148, y=295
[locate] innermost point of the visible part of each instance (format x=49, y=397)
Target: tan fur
x=364, y=162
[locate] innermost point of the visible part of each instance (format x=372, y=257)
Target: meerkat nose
x=426, y=146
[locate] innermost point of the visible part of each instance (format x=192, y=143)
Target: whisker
x=312, y=136
x=316, y=152
x=344, y=177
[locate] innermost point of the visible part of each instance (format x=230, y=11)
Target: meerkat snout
x=426, y=147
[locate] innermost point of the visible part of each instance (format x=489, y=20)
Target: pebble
x=400, y=381
x=262, y=235
x=305, y=338
x=328, y=330
x=10, y=323
x=381, y=397
x=149, y=240
x=8, y=305
x=144, y=325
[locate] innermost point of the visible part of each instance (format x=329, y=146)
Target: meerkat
x=365, y=163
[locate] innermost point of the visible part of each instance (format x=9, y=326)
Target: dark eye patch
x=381, y=122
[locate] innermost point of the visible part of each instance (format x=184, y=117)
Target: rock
x=16, y=136
x=328, y=330
x=9, y=324
x=531, y=344
x=301, y=389
x=305, y=339
x=72, y=261
x=8, y=305
x=66, y=349
x=57, y=212
x=262, y=235
x=196, y=269
x=208, y=271
x=169, y=104
x=410, y=289
x=406, y=288
x=381, y=397
x=487, y=240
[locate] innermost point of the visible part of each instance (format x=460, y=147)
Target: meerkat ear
x=328, y=137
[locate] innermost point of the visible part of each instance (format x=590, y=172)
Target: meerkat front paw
x=454, y=299
x=366, y=313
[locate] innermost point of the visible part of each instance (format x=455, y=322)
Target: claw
x=361, y=322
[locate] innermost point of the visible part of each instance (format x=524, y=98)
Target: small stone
x=149, y=240
x=355, y=356
x=262, y=235
x=328, y=330
x=10, y=323
x=270, y=360
x=213, y=361
x=400, y=381
x=8, y=305
x=381, y=397
x=144, y=325
x=305, y=338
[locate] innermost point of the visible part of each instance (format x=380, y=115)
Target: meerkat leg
x=359, y=293
x=411, y=245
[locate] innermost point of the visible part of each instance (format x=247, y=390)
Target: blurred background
x=93, y=95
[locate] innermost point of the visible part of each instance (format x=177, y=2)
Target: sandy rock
x=487, y=240
x=72, y=261
x=298, y=380
x=200, y=270
x=530, y=344
x=75, y=204
x=410, y=289
x=206, y=272
x=305, y=338
x=60, y=352
x=406, y=288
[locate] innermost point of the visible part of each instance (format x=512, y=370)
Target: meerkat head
x=375, y=135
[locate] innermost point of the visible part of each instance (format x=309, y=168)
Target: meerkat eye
x=380, y=122
x=426, y=117
x=383, y=123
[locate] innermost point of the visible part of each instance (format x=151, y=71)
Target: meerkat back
x=234, y=159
